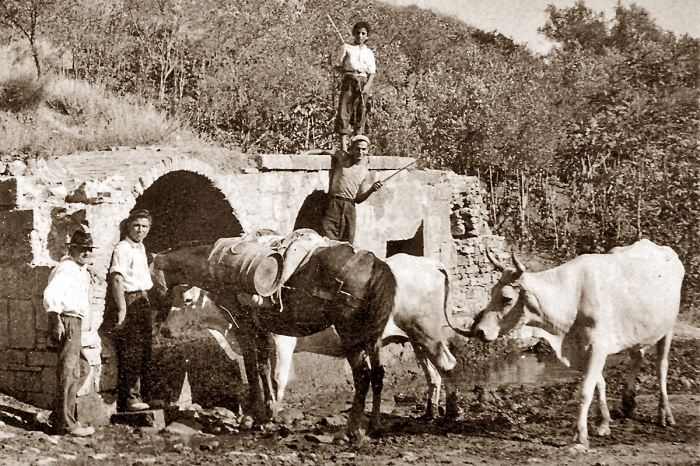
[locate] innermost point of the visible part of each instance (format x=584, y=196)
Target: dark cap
x=82, y=239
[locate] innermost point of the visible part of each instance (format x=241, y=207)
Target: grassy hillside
x=54, y=115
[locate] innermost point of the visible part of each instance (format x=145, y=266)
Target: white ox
x=419, y=318
x=591, y=307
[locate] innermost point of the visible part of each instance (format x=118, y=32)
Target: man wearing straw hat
x=130, y=280
x=67, y=303
x=350, y=183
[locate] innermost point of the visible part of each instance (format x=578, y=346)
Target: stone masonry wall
x=440, y=214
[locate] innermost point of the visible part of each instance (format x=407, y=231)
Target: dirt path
x=504, y=426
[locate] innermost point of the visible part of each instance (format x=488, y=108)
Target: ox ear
x=498, y=265
x=519, y=266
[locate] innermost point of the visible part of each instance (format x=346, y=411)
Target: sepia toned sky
x=519, y=19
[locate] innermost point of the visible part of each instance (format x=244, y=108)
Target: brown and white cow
x=591, y=307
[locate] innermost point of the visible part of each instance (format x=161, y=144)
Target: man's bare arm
x=366, y=190
x=119, y=296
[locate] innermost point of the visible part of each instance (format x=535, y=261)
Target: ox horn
x=519, y=266
x=498, y=265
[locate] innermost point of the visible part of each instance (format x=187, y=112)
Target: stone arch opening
x=413, y=246
x=186, y=206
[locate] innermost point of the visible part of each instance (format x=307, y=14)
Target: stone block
x=304, y=162
x=96, y=409
x=41, y=317
x=41, y=279
x=40, y=400
x=28, y=381
x=17, y=280
x=22, y=323
x=49, y=380
x=7, y=381
x=149, y=418
x=4, y=325
x=14, y=357
x=17, y=222
x=387, y=162
x=8, y=193
x=271, y=183
x=42, y=358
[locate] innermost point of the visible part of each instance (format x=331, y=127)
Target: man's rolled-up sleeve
x=120, y=261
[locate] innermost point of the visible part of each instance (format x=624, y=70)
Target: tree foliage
x=591, y=146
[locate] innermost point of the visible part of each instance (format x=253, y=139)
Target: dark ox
x=419, y=317
x=591, y=307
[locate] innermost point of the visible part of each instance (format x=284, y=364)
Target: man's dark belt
x=347, y=199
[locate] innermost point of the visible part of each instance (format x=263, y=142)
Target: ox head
x=193, y=310
x=509, y=303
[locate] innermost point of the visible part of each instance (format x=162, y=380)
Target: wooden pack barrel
x=246, y=266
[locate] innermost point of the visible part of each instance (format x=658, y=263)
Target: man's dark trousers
x=134, y=345
x=351, y=105
x=72, y=370
x=339, y=220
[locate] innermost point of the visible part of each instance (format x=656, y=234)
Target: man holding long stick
x=356, y=62
x=350, y=184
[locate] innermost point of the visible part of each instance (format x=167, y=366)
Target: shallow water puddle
x=521, y=368
x=516, y=368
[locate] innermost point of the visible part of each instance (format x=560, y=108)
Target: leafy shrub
x=21, y=93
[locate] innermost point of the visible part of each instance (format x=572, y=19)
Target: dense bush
x=23, y=92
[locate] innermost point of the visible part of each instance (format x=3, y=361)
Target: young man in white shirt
x=130, y=280
x=67, y=303
x=356, y=62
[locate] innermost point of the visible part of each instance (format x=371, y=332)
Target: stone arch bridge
x=194, y=196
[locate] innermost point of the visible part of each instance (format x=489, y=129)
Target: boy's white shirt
x=356, y=58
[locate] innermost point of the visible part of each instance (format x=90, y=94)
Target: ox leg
x=662, y=348
x=283, y=356
x=594, y=371
x=603, y=427
x=432, y=376
x=629, y=393
x=361, y=378
x=377, y=379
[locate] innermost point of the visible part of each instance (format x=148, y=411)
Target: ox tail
x=464, y=333
x=380, y=297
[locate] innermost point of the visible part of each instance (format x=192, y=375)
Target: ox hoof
x=667, y=420
x=603, y=430
x=581, y=439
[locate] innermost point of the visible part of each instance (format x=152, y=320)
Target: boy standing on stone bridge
x=356, y=63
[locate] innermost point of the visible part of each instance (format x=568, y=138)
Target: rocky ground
x=510, y=424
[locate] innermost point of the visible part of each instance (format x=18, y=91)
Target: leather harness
x=339, y=294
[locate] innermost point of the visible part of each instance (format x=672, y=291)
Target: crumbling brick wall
x=473, y=275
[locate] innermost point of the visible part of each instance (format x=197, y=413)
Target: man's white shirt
x=129, y=260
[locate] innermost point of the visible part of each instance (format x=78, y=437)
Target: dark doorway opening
x=186, y=207
x=412, y=246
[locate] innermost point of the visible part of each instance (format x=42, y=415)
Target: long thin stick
x=336, y=29
x=402, y=169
